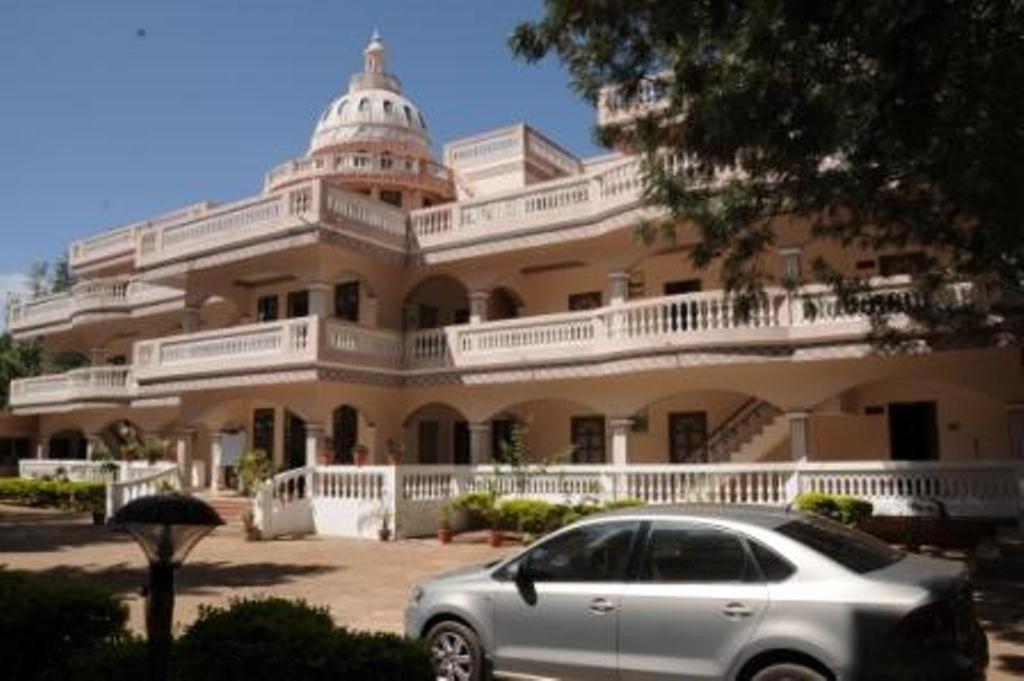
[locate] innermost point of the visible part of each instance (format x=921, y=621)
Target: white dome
x=372, y=109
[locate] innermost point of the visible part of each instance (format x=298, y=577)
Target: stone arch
x=436, y=432
x=434, y=301
x=67, y=443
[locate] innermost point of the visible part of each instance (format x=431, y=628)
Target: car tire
x=455, y=648
x=787, y=671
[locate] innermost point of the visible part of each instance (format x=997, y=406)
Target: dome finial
x=376, y=55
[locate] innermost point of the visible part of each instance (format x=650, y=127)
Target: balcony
x=371, y=167
x=267, y=219
x=709, y=320
x=117, y=246
x=101, y=385
x=91, y=301
x=592, y=203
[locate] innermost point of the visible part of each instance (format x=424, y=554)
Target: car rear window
x=855, y=550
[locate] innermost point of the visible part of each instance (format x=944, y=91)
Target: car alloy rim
x=452, y=657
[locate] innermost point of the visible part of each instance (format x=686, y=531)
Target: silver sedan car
x=686, y=593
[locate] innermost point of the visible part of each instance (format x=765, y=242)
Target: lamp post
x=166, y=526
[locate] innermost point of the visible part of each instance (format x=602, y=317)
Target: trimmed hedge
x=845, y=509
x=533, y=517
x=62, y=494
x=273, y=639
x=46, y=620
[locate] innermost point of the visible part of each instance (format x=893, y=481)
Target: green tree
x=38, y=284
x=886, y=124
x=61, y=277
x=18, y=359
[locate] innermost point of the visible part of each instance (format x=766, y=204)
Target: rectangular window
x=913, y=431
x=688, y=437
x=298, y=304
x=429, y=435
x=266, y=309
x=587, y=436
x=346, y=301
x=460, y=438
x=675, y=288
x=391, y=197
x=263, y=431
x=584, y=301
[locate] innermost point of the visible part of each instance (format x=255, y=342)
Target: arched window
x=342, y=107
x=389, y=108
x=408, y=115
x=364, y=105
x=423, y=123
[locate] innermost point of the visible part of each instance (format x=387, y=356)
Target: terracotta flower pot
x=361, y=456
x=445, y=534
x=494, y=538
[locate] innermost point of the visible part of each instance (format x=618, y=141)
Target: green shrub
x=625, y=502
x=71, y=496
x=46, y=621
x=124, y=659
x=274, y=639
x=254, y=467
x=531, y=516
x=479, y=506
x=845, y=509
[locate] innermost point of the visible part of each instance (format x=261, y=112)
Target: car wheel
x=787, y=671
x=455, y=651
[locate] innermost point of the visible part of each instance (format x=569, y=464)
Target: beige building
x=373, y=295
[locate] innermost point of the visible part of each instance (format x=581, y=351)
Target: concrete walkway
x=364, y=583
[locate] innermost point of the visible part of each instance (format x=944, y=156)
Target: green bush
x=71, y=496
x=531, y=516
x=254, y=467
x=124, y=659
x=845, y=509
x=479, y=506
x=274, y=639
x=46, y=621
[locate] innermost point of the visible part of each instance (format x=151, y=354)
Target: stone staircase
x=749, y=434
x=229, y=506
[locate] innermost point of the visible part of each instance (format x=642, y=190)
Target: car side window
x=597, y=552
x=688, y=553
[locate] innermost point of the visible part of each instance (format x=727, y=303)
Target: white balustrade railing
x=356, y=501
x=365, y=211
x=87, y=383
x=406, y=168
x=427, y=348
x=86, y=470
x=122, y=240
x=382, y=345
x=97, y=296
x=164, y=478
x=285, y=342
x=569, y=199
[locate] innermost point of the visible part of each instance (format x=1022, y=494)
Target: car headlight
x=416, y=596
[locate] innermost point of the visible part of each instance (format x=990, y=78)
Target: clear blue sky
x=100, y=126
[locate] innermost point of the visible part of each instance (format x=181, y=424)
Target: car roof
x=753, y=515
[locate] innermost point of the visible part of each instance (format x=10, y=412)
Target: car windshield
x=855, y=550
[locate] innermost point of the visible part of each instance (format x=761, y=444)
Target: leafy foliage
x=880, y=124
x=62, y=494
x=254, y=468
x=845, y=509
x=45, y=620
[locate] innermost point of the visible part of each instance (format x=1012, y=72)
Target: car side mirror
x=522, y=574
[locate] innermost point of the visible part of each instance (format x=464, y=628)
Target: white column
x=1015, y=428
x=216, y=448
x=183, y=455
x=618, y=287
x=478, y=302
x=799, y=435
x=41, y=447
x=620, y=428
x=480, y=442
x=314, y=436
x=190, y=319
x=319, y=299
x=92, y=443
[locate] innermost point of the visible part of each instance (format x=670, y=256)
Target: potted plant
x=361, y=454
x=384, y=531
x=444, y=524
x=492, y=515
x=254, y=468
x=252, y=533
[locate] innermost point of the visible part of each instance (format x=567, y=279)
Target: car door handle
x=602, y=606
x=737, y=610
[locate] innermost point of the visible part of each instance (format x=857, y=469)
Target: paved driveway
x=364, y=583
